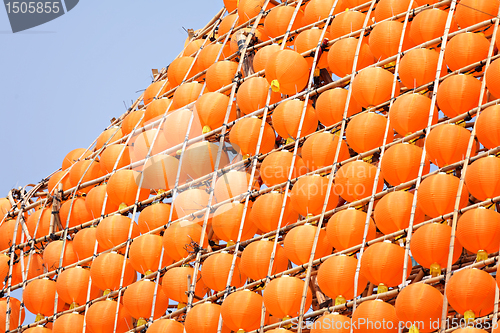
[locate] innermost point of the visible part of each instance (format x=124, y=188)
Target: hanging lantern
x=166, y=326
x=187, y=203
x=471, y=292
x=418, y=67
x=308, y=40
x=252, y=95
x=421, y=304
x=38, y=220
x=156, y=109
x=261, y=57
x=385, y=37
x=458, y=94
x=336, y=278
x=382, y=264
x=233, y=184
x=145, y=253
x=430, y=245
x=372, y=312
x=276, y=167
x=160, y=173
x=266, y=212
x=488, y=127
x=179, y=239
x=330, y=106
x=84, y=243
x=241, y=311
x=68, y=323
x=299, y=242
x=39, y=297
x=221, y=74
x=447, y=144
x=155, y=216
x=7, y=231
x=388, y=8
x=190, y=48
x=143, y=145
x=346, y=22
x=345, y=229
x=342, y=53
x=95, y=200
x=226, y=223
x=317, y=10
x=410, y=113
x=245, y=133
x=83, y=172
x=131, y=120
x=123, y=187
x=437, y=193
x=478, y=231
x=138, y=300
x=108, y=137
x=74, y=156
x=178, y=70
x=329, y=322
x=256, y=257
x=110, y=155
x=483, y=178
x=309, y=193
x=186, y=94
x=491, y=76
x=287, y=116
x=79, y=213
x=208, y=55
x=393, y=212
x=156, y=90
x=471, y=12
x=35, y=269
x=204, y=318
x=373, y=86
x=354, y=180
x=465, y=49
x=282, y=297
x=101, y=317
x=58, y=177
x=52, y=254
x=114, y=230
x=228, y=21
x=176, y=282
x=287, y=72
x=319, y=150
x=72, y=286
x=401, y=163
x=15, y=313
x=211, y=108
x=429, y=24
x=200, y=158
x=215, y=271
x=106, y=271
x=366, y=131
x=278, y=19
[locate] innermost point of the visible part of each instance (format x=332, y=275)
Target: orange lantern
x=483, y=178
x=382, y=264
x=79, y=213
x=421, y=304
x=123, y=187
x=84, y=243
x=82, y=172
x=447, y=144
x=287, y=116
x=74, y=156
x=319, y=150
x=388, y=8
x=106, y=271
x=410, y=113
x=465, y=49
x=72, y=286
x=38, y=220
x=228, y=21
x=393, y=212
x=252, y=95
x=186, y=94
x=215, y=271
x=16, y=312
x=208, y=55
x=176, y=282
x=479, y=231
x=329, y=322
x=256, y=257
x=308, y=195
x=167, y=326
x=233, y=184
x=148, y=142
x=488, y=127
x=39, y=297
x=36, y=268
x=176, y=126
x=145, y=253
x=108, y=137
x=200, y=158
x=458, y=94
x=58, y=177
x=157, y=109
x=471, y=12
x=189, y=202
x=330, y=106
x=110, y=155
x=345, y=23
x=138, y=300
x=203, y=318
x=401, y=163
x=355, y=180
x=308, y=40
x=342, y=53
x=385, y=37
x=430, y=245
x=429, y=24
x=178, y=238
x=278, y=19
x=370, y=315
x=52, y=254
x=178, y=70
x=287, y=72
x=276, y=167
x=101, y=317
x=156, y=90
x=317, y=10
x=245, y=133
x=366, y=131
x=437, y=193
x=7, y=233
x=263, y=55
x=345, y=229
x=336, y=278
x=373, y=86
x=418, y=67
x=492, y=75
x=160, y=172
x=299, y=241
x=155, y=216
x=226, y=223
x=190, y=48
x=266, y=212
x=211, y=108
x=68, y=323
x=241, y=311
x=95, y=200
x=114, y=230
x=471, y=292
x=283, y=297
x=131, y=120
x=221, y=74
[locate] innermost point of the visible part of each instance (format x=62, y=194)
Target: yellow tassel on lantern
x=287, y=326
x=141, y=322
x=469, y=317
x=39, y=317
x=181, y=306
x=206, y=129
x=73, y=305
x=289, y=140
x=275, y=85
x=435, y=269
x=382, y=288
x=148, y=272
x=340, y=300
x=122, y=206
x=482, y=255
x=413, y=329
x=106, y=292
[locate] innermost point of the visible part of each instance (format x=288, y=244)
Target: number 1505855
x=33, y=7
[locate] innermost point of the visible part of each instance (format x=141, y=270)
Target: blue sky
x=62, y=82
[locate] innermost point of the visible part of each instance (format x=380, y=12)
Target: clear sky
x=62, y=82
